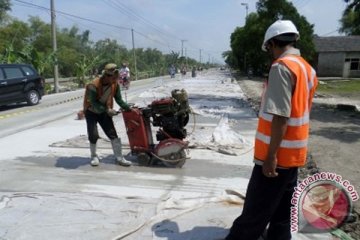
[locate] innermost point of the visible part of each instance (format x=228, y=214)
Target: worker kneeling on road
x=98, y=108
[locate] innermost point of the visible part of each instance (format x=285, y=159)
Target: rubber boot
x=94, y=157
x=116, y=146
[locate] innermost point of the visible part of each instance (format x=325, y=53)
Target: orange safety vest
x=99, y=93
x=293, y=148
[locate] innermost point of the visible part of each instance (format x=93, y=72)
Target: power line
x=303, y=4
x=89, y=20
x=119, y=6
x=70, y=18
x=36, y=7
x=327, y=34
x=154, y=40
x=72, y=15
x=131, y=13
x=96, y=29
x=296, y=2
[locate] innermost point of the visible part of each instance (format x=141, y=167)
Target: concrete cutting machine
x=171, y=115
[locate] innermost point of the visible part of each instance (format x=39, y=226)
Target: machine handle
x=135, y=122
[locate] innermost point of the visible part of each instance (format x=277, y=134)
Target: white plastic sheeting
x=43, y=198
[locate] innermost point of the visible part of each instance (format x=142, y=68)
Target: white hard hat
x=280, y=27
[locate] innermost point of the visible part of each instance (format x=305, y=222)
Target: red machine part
x=137, y=132
x=163, y=106
x=171, y=152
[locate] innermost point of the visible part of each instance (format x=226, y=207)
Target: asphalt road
x=19, y=117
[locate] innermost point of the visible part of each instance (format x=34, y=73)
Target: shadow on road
x=335, y=124
x=76, y=161
x=349, y=134
x=13, y=106
x=170, y=230
x=72, y=162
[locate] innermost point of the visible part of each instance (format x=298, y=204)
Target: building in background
x=338, y=56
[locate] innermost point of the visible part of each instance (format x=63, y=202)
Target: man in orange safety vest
x=281, y=138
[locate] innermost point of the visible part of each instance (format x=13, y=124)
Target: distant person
x=183, y=70
x=193, y=72
x=124, y=76
x=98, y=108
x=281, y=138
x=172, y=71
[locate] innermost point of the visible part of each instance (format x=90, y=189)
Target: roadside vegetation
x=339, y=87
x=77, y=55
x=245, y=41
x=245, y=53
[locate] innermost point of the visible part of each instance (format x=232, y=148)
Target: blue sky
x=162, y=24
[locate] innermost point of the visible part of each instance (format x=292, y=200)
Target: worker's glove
x=111, y=112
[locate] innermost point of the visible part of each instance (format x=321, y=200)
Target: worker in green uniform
x=98, y=108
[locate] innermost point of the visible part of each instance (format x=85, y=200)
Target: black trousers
x=268, y=200
x=106, y=123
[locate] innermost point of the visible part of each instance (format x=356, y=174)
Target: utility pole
x=134, y=54
x=247, y=10
x=54, y=44
x=246, y=7
x=200, y=56
x=182, y=47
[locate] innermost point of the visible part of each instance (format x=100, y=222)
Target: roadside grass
x=339, y=87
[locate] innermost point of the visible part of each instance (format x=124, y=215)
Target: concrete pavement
x=48, y=190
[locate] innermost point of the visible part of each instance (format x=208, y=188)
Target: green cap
x=110, y=69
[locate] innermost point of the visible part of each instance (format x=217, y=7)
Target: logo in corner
x=321, y=203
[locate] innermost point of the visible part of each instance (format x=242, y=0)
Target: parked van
x=20, y=83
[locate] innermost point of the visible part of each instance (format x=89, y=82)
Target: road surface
x=48, y=190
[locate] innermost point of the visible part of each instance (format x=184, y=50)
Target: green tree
x=350, y=21
x=30, y=42
x=272, y=10
x=41, y=35
x=155, y=61
x=246, y=41
x=9, y=55
x=111, y=51
x=230, y=59
x=39, y=60
x=4, y=7
x=73, y=46
x=15, y=33
x=172, y=58
x=84, y=68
